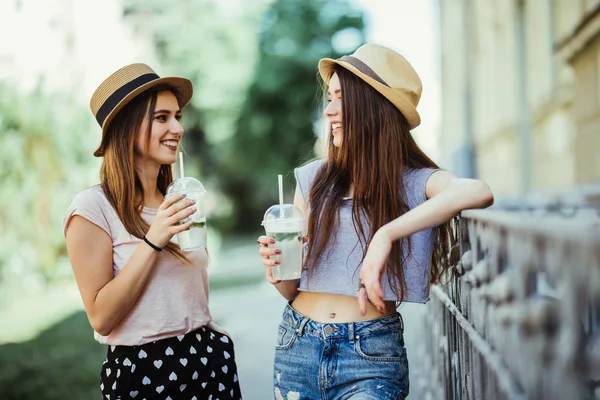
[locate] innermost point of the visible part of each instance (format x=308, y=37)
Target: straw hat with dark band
x=386, y=71
x=122, y=86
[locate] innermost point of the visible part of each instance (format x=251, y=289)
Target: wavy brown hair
x=118, y=177
x=377, y=147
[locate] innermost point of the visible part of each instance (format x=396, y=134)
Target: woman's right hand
x=170, y=212
x=266, y=252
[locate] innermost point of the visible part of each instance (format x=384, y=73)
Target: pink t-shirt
x=175, y=300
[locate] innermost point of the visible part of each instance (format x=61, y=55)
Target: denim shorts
x=342, y=361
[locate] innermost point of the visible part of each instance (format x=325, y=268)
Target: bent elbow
x=103, y=332
x=472, y=193
x=290, y=296
x=102, y=328
x=485, y=195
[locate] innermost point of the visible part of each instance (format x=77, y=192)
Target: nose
x=332, y=109
x=176, y=127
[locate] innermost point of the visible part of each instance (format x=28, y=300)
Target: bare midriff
x=336, y=308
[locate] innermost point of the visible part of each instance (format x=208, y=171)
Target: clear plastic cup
x=195, y=237
x=285, y=223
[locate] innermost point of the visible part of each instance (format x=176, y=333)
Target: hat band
x=364, y=68
x=121, y=93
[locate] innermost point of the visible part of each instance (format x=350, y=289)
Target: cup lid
x=288, y=212
x=186, y=184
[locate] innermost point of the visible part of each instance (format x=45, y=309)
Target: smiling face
x=333, y=111
x=166, y=132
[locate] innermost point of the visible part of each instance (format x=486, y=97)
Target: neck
x=148, y=174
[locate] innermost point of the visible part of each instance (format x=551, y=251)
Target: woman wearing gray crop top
x=379, y=233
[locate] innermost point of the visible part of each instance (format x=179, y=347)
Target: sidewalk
x=235, y=263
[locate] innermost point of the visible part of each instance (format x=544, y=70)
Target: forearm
x=288, y=289
x=428, y=215
x=440, y=208
x=116, y=299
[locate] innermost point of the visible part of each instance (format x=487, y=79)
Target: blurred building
x=521, y=93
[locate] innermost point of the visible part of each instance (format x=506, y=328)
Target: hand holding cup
x=169, y=214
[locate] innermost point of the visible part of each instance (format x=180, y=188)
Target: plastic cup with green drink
x=195, y=237
x=285, y=224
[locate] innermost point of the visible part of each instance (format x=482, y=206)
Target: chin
x=337, y=141
x=165, y=160
x=168, y=159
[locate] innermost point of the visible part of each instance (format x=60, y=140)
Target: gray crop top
x=338, y=270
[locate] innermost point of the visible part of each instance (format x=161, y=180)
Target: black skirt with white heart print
x=196, y=366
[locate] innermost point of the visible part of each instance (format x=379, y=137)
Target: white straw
x=280, y=179
x=181, y=164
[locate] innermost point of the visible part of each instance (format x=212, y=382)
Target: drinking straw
x=181, y=164
x=280, y=179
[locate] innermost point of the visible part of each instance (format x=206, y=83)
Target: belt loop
x=351, y=332
x=401, y=322
x=300, y=329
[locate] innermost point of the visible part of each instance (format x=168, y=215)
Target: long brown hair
x=118, y=177
x=377, y=147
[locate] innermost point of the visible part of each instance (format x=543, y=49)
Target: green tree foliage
x=255, y=87
x=274, y=132
x=212, y=45
x=43, y=145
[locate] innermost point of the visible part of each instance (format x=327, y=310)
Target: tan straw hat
x=122, y=86
x=386, y=71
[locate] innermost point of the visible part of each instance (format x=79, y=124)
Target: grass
x=63, y=362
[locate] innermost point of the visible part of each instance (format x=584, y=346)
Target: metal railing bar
x=504, y=378
x=565, y=230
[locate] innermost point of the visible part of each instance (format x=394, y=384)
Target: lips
x=336, y=126
x=170, y=144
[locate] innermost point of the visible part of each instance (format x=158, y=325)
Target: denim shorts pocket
x=381, y=346
x=286, y=336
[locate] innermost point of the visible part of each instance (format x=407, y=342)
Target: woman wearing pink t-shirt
x=143, y=296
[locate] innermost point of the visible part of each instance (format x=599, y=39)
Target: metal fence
x=521, y=317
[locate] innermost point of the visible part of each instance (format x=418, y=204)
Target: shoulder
x=415, y=183
x=415, y=174
x=92, y=196
x=91, y=204
x=305, y=175
x=310, y=168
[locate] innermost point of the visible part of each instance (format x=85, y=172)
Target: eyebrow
x=165, y=111
x=337, y=91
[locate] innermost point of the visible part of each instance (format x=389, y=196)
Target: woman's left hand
x=372, y=269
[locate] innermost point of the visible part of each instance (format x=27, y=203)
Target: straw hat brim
x=181, y=87
x=397, y=99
